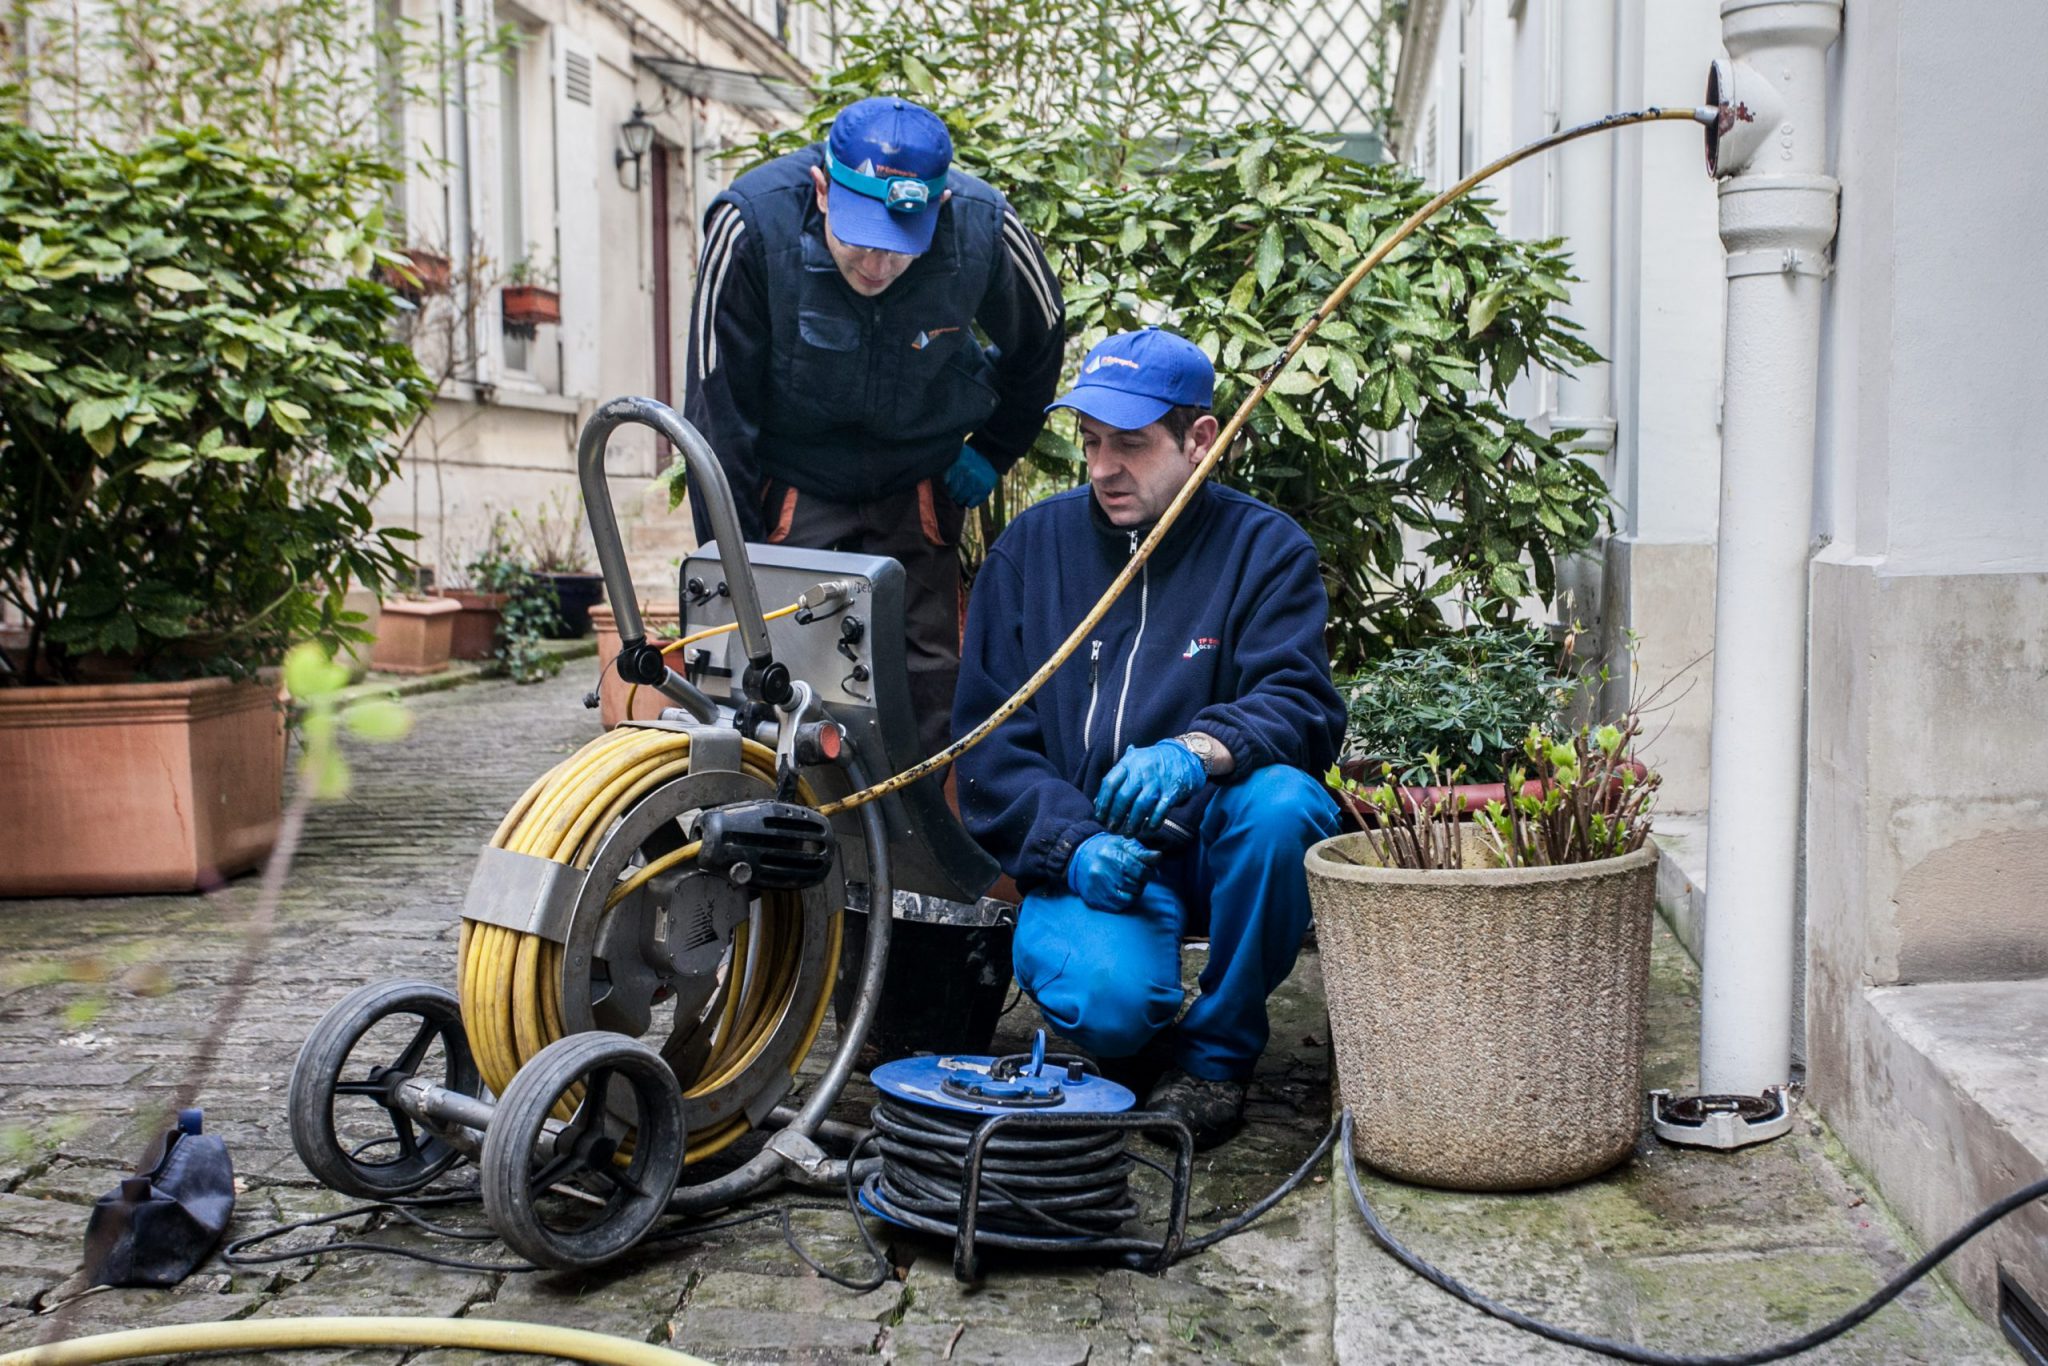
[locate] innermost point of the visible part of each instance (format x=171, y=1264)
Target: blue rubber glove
x=1107, y=871
x=1146, y=784
x=971, y=478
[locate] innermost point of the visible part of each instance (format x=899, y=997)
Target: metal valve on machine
x=767, y=844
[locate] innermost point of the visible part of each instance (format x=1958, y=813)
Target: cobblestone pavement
x=104, y=1004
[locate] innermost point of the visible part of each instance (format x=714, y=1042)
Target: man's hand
x=1107, y=871
x=971, y=478
x=1146, y=784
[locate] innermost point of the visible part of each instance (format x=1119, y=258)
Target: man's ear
x=1201, y=437
x=818, y=183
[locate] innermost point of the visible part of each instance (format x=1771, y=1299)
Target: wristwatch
x=1203, y=747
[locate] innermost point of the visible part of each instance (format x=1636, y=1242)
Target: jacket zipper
x=1094, y=672
x=1144, y=602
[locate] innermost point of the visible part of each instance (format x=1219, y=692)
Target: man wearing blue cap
x=834, y=364
x=1161, y=782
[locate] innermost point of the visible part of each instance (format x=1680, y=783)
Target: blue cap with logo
x=1130, y=380
x=887, y=159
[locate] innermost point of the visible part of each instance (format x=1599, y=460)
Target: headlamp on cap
x=898, y=193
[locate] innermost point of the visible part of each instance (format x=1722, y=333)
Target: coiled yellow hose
x=256, y=1335
x=510, y=982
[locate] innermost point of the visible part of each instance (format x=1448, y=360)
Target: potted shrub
x=555, y=550
x=528, y=297
x=198, y=400
x=492, y=573
x=1458, y=703
x=1487, y=972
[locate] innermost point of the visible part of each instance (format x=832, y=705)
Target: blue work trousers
x=1110, y=980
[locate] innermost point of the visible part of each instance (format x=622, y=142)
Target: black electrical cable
x=1627, y=1351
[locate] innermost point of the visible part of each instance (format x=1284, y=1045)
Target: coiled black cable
x=1037, y=1189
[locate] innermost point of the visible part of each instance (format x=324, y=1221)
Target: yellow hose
x=510, y=982
x=258, y=1335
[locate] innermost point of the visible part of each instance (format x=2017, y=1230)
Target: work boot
x=1142, y=1070
x=1212, y=1110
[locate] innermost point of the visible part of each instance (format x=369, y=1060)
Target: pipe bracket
x=1779, y=261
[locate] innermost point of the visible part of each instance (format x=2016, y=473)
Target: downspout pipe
x=1778, y=213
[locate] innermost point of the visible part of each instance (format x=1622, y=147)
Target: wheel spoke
x=554, y=1171
x=408, y=1144
x=618, y=1178
x=374, y=1089
x=596, y=1090
x=409, y=1061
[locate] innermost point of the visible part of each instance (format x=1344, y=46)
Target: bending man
x=834, y=365
x=1160, y=783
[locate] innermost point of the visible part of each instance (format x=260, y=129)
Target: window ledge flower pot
x=1488, y=1023
x=126, y=788
x=475, y=633
x=660, y=623
x=527, y=306
x=415, y=635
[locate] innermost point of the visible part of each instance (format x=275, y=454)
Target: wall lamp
x=638, y=135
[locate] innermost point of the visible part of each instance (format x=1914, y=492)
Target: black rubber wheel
x=369, y=1147
x=575, y=1195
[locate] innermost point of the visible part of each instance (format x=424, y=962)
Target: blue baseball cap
x=1130, y=380
x=887, y=159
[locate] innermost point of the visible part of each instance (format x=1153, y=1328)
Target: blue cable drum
x=1047, y=1179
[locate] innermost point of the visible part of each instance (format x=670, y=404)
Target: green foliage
x=530, y=607
x=552, y=537
x=315, y=681
x=1461, y=701
x=302, y=79
x=198, y=398
x=1091, y=116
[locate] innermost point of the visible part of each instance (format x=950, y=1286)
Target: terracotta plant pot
x=475, y=634
x=414, y=635
x=530, y=306
x=1487, y=1022
x=660, y=624
x=124, y=788
x=1471, y=796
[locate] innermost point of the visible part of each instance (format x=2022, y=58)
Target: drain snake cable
x=509, y=987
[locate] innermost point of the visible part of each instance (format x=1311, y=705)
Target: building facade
x=1918, y=938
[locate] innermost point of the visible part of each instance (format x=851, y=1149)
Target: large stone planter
x=137, y=787
x=660, y=624
x=415, y=635
x=475, y=633
x=1487, y=1022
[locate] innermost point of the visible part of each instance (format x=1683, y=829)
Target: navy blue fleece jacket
x=1222, y=632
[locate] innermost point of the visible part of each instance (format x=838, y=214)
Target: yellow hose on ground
x=509, y=982
x=257, y=1335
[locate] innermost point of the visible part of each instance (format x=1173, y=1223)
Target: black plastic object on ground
x=160, y=1224
x=943, y=991
x=575, y=595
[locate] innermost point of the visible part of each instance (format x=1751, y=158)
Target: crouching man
x=1159, y=786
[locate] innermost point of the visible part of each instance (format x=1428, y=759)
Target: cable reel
x=1025, y=1152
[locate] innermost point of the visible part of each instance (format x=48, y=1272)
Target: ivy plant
x=1390, y=442
x=198, y=398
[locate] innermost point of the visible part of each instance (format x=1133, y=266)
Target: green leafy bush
x=1462, y=702
x=1095, y=118
x=198, y=399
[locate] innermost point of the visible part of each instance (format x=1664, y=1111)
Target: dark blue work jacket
x=796, y=379
x=1222, y=632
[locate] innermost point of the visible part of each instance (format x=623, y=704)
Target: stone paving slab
x=104, y=1004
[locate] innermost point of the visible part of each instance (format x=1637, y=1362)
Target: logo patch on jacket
x=1197, y=644
x=924, y=339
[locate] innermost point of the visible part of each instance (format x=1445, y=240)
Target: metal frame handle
x=707, y=482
